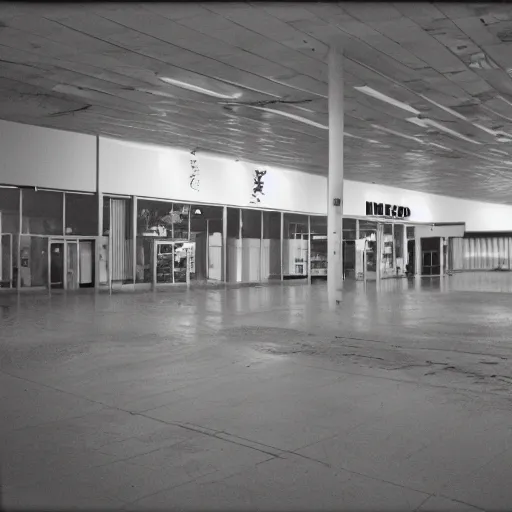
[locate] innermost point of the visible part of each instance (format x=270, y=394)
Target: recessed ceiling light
x=200, y=90
x=387, y=99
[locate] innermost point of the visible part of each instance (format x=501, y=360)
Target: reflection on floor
x=260, y=398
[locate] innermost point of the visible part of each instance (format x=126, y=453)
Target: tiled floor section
x=260, y=398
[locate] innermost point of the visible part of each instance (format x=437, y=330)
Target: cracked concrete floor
x=260, y=398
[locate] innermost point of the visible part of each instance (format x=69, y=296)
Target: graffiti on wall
x=258, y=184
x=194, y=175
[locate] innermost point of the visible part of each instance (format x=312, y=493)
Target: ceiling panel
x=250, y=81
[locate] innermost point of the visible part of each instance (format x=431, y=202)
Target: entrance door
x=56, y=264
x=430, y=257
x=411, y=253
x=171, y=262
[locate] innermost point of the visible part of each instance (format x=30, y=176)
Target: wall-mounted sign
x=387, y=210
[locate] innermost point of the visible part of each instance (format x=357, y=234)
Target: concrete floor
x=260, y=398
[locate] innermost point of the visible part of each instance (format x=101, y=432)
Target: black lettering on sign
x=387, y=210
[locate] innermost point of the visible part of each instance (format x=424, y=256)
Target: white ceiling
x=98, y=68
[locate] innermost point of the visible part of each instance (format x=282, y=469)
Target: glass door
x=6, y=267
x=171, y=262
x=163, y=263
x=72, y=266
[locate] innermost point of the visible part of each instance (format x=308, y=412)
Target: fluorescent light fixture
x=200, y=90
x=398, y=134
x=7, y=186
x=383, y=97
x=426, y=123
x=498, y=151
x=440, y=146
x=291, y=116
x=442, y=107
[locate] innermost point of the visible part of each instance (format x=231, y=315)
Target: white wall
x=153, y=171
x=42, y=157
x=37, y=156
x=478, y=216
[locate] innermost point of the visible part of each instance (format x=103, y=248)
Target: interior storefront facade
x=53, y=239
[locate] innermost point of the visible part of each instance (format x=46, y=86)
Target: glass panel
x=9, y=210
x=6, y=266
x=180, y=214
x=164, y=263
x=399, y=248
x=81, y=214
x=180, y=262
x=410, y=233
x=42, y=212
x=427, y=259
x=295, y=246
x=271, y=264
x=121, y=239
x=349, y=229
x=206, y=242
x=368, y=232
x=318, y=246
x=106, y=215
x=435, y=258
x=387, y=264
x=234, y=249
x=72, y=264
x=155, y=218
x=34, y=261
x=251, y=245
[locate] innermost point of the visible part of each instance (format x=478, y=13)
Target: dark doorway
x=349, y=259
x=430, y=257
x=411, y=258
x=57, y=265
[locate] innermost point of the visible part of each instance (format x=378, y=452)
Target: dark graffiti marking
x=194, y=176
x=257, y=189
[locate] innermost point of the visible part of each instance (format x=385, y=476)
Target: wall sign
x=387, y=210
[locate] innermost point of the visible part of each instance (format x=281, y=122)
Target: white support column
x=309, y=249
x=282, y=244
x=224, y=244
x=134, y=239
x=335, y=183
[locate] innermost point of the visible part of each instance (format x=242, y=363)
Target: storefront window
x=368, y=233
x=318, y=246
x=154, y=218
x=234, y=247
x=42, y=212
x=180, y=221
x=349, y=229
x=295, y=246
x=206, y=241
x=9, y=227
x=251, y=245
x=271, y=252
x=81, y=214
x=399, y=248
x=34, y=261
